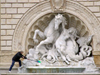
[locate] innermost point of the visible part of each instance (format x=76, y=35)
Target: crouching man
x=16, y=58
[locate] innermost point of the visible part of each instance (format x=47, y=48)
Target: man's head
x=21, y=52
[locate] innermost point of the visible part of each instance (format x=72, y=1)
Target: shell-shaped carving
x=58, y=3
x=42, y=23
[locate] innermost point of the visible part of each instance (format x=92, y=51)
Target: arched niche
x=43, y=22
x=40, y=15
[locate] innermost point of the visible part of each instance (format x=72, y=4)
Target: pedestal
x=55, y=70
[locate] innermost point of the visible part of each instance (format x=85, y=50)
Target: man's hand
x=23, y=57
x=28, y=59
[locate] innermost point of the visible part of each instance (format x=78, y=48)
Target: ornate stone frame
x=33, y=14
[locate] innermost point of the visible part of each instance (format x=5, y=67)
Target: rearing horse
x=51, y=32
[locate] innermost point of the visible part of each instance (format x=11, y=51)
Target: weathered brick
x=3, y=21
x=22, y=10
x=34, y=0
x=6, y=37
x=13, y=26
x=6, y=58
x=93, y=0
x=94, y=9
x=5, y=5
x=3, y=10
x=3, y=0
x=3, y=43
x=16, y=15
x=81, y=0
x=9, y=42
x=3, y=32
x=12, y=21
x=22, y=0
x=5, y=48
x=43, y=0
x=5, y=26
x=11, y=1
x=5, y=16
x=17, y=5
x=87, y=3
x=10, y=32
x=99, y=18
x=28, y=5
x=97, y=14
x=11, y=10
x=97, y=3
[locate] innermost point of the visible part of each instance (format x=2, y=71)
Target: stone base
x=48, y=74
x=97, y=60
x=54, y=70
x=6, y=69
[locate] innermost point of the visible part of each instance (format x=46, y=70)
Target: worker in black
x=16, y=58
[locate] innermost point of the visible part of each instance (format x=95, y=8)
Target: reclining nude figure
x=51, y=32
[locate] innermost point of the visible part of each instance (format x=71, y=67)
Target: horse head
x=58, y=20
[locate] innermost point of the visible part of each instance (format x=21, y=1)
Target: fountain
x=61, y=51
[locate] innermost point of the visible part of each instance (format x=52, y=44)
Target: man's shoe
x=9, y=71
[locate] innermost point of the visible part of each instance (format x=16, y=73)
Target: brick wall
x=11, y=13
x=93, y=5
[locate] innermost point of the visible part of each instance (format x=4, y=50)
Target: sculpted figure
x=51, y=32
x=66, y=44
x=64, y=41
x=84, y=40
x=59, y=44
x=33, y=54
x=50, y=56
x=84, y=44
x=86, y=50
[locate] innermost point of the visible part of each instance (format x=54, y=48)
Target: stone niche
x=39, y=16
x=42, y=23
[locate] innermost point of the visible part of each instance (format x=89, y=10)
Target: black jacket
x=17, y=56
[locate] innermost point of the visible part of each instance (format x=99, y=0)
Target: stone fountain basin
x=38, y=69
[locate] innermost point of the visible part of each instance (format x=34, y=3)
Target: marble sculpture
x=59, y=45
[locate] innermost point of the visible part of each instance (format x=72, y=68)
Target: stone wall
x=11, y=13
x=13, y=10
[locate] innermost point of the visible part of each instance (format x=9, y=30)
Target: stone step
x=49, y=74
x=32, y=69
x=6, y=69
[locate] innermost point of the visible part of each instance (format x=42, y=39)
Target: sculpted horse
x=51, y=32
